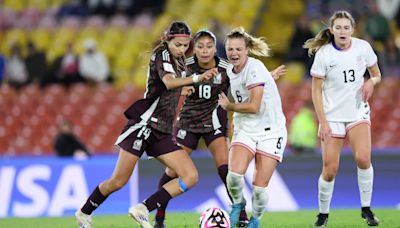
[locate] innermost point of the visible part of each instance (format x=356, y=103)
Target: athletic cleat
x=140, y=213
x=84, y=220
x=253, y=223
x=159, y=222
x=322, y=220
x=243, y=220
x=369, y=216
x=235, y=213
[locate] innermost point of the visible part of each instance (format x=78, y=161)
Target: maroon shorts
x=191, y=140
x=138, y=138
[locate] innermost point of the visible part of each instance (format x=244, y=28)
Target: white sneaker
x=84, y=220
x=140, y=213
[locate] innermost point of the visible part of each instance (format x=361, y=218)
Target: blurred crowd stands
x=125, y=32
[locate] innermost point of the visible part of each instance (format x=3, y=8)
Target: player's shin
x=235, y=183
x=365, y=179
x=94, y=201
x=259, y=200
x=325, y=191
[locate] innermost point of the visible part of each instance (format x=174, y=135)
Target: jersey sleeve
x=370, y=55
x=318, y=68
x=257, y=76
x=163, y=64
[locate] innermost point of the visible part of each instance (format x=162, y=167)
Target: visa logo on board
x=35, y=191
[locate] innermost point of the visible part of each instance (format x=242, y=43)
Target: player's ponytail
x=256, y=45
x=325, y=36
x=314, y=44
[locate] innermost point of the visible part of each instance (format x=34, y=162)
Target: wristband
x=375, y=80
x=195, y=78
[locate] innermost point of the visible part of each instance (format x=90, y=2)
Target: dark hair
x=325, y=36
x=176, y=28
x=204, y=33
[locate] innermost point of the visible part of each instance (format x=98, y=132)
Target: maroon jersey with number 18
x=200, y=112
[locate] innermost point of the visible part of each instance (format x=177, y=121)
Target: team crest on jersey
x=137, y=144
x=360, y=62
x=217, y=79
x=181, y=134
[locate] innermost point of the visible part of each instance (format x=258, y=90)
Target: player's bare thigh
x=239, y=158
x=360, y=142
x=264, y=169
x=182, y=164
x=330, y=157
x=172, y=173
x=219, y=150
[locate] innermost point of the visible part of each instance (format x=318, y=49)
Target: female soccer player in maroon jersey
x=149, y=129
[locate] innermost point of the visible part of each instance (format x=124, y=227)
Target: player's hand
x=223, y=101
x=278, y=72
x=324, y=132
x=367, y=90
x=187, y=91
x=209, y=74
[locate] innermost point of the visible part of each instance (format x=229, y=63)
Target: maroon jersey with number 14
x=158, y=108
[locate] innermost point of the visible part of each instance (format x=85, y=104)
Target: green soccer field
x=338, y=218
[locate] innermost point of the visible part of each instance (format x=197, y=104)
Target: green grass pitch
x=389, y=218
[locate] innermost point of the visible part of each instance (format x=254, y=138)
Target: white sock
x=325, y=190
x=259, y=200
x=365, y=182
x=235, y=183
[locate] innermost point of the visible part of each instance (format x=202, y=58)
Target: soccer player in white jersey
x=259, y=122
x=340, y=96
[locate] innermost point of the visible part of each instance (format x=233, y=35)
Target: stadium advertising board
x=49, y=186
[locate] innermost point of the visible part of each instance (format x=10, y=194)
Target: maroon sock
x=94, y=201
x=157, y=200
x=223, y=172
x=163, y=180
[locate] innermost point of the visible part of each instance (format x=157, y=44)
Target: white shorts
x=340, y=129
x=270, y=147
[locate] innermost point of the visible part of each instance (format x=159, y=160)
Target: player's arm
x=251, y=106
x=375, y=78
x=171, y=82
x=375, y=74
x=316, y=94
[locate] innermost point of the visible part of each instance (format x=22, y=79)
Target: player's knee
x=330, y=173
x=185, y=185
x=363, y=161
x=190, y=178
x=117, y=184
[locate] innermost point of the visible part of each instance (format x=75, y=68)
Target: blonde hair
x=256, y=45
x=325, y=36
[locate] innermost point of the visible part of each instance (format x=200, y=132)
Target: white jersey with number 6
x=270, y=120
x=343, y=73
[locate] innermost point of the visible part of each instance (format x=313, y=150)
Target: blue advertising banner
x=50, y=186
